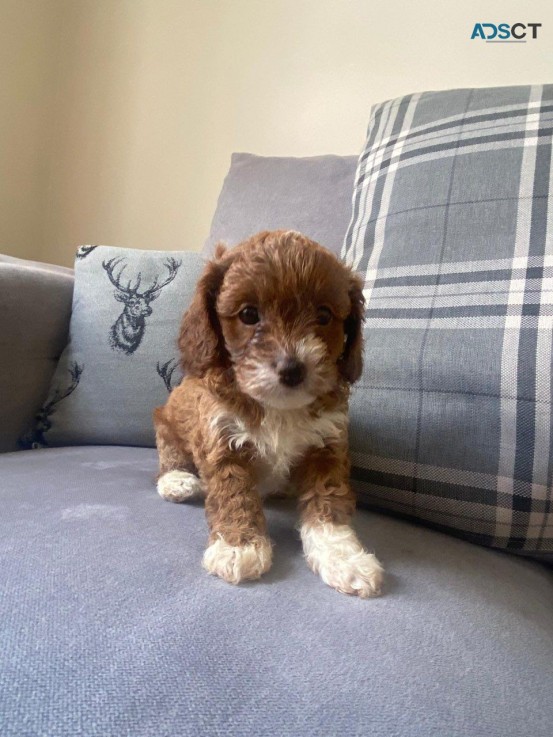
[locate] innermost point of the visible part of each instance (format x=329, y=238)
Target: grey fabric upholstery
x=43, y=266
x=110, y=627
x=35, y=307
x=310, y=194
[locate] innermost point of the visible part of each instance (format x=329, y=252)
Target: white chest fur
x=283, y=436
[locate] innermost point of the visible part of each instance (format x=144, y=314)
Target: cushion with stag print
x=121, y=358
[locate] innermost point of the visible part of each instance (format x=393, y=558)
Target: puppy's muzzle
x=291, y=372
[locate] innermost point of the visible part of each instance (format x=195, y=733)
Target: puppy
x=270, y=344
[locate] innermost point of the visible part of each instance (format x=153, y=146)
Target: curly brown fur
x=270, y=344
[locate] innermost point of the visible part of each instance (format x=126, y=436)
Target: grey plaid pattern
x=452, y=228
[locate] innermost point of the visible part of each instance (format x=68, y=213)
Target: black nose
x=291, y=372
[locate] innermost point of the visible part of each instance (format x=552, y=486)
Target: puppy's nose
x=291, y=372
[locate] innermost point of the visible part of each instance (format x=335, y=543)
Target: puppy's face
x=287, y=314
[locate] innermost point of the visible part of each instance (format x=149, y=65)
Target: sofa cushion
x=451, y=228
x=93, y=397
x=310, y=194
x=122, y=358
x=111, y=627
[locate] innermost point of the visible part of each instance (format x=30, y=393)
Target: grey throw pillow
x=311, y=194
x=452, y=228
x=122, y=358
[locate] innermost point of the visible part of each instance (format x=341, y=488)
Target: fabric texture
x=110, y=626
x=311, y=194
x=122, y=358
x=35, y=307
x=452, y=229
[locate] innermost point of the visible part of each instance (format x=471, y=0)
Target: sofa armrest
x=35, y=307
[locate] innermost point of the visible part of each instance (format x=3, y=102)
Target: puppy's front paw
x=335, y=553
x=238, y=563
x=178, y=486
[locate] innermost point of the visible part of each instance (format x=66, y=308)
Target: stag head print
x=84, y=251
x=43, y=424
x=128, y=330
x=167, y=370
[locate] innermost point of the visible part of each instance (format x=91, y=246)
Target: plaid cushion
x=452, y=228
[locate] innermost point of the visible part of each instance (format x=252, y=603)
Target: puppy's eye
x=249, y=315
x=324, y=316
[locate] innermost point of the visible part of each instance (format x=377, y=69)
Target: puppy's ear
x=350, y=363
x=201, y=342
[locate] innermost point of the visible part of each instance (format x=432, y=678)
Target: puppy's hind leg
x=179, y=486
x=177, y=480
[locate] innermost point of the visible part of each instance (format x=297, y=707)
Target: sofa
x=111, y=627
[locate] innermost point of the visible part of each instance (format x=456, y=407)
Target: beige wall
x=119, y=116
x=27, y=53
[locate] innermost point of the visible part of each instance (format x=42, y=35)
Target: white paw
x=178, y=486
x=335, y=553
x=235, y=564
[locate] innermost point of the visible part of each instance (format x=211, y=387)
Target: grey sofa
x=110, y=627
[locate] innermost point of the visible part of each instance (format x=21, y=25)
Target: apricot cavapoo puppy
x=270, y=344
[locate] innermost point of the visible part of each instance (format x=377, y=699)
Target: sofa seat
x=111, y=627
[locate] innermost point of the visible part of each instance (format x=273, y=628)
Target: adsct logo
x=517, y=33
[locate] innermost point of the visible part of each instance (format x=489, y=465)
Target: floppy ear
x=350, y=363
x=201, y=342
